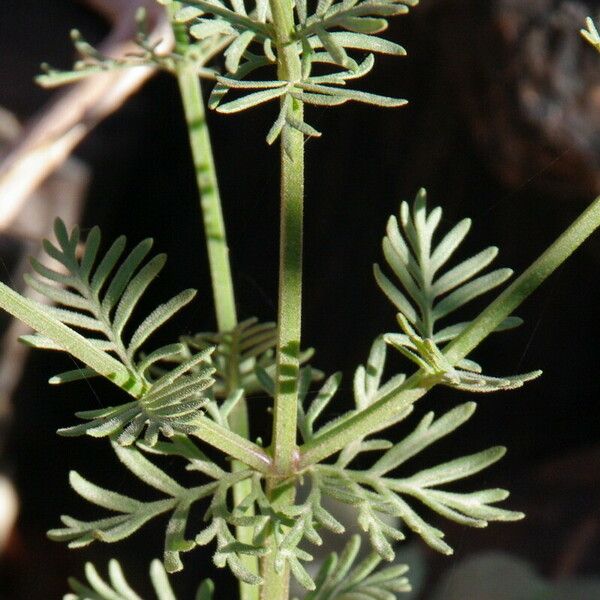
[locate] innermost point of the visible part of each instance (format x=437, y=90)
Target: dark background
x=503, y=126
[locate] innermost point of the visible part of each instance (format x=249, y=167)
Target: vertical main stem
x=218, y=257
x=284, y=449
x=290, y=299
x=290, y=253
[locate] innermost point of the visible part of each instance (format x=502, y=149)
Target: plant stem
x=524, y=285
x=210, y=201
x=386, y=411
x=218, y=257
x=289, y=317
x=233, y=445
x=290, y=252
x=36, y=316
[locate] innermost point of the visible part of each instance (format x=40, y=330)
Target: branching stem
x=386, y=410
x=233, y=445
x=34, y=315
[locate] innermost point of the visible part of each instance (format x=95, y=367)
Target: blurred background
x=503, y=126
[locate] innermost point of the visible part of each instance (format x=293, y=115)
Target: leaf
x=251, y=85
x=360, y=41
x=175, y=541
x=207, y=28
x=471, y=290
x=250, y=100
x=117, y=589
x=318, y=99
x=368, y=379
x=133, y=514
x=321, y=400
x=170, y=352
x=302, y=127
x=279, y=123
x=380, y=497
x=107, y=264
x=465, y=271
x=590, y=34
x=146, y=471
x=416, y=260
x=101, y=497
x=366, y=25
x=395, y=296
x=236, y=50
x=205, y=590
x=55, y=335
x=160, y=581
x=124, y=274
x=239, y=354
x=335, y=50
x=457, y=469
x=343, y=579
x=118, y=581
x=425, y=296
x=134, y=291
x=340, y=78
x=427, y=432
x=158, y=317
x=357, y=96
x=74, y=375
x=187, y=13
x=100, y=295
x=244, y=69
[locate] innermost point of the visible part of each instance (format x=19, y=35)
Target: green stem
x=284, y=448
x=290, y=252
x=290, y=301
x=524, y=285
x=210, y=201
x=206, y=179
x=233, y=445
x=35, y=315
x=388, y=409
x=218, y=257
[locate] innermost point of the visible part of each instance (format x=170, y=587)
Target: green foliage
x=368, y=389
x=96, y=295
x=117, y=587
x=416, y=261
x=196, y=386
x=340, y=579
x=237, y=355
x=133, y=514
x=353, y=23
x=429, y=296
x=377, y=496
x=100, y=295
x=591, y=34
x=92, y=61
x=326, y=39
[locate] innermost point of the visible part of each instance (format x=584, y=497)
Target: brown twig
x=52, y=135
